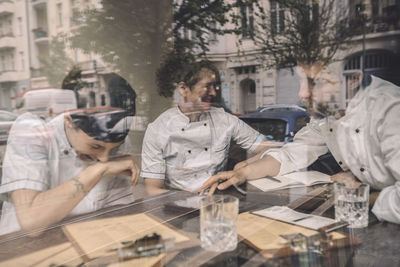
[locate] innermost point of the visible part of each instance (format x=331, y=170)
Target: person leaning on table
x=67, y=166
x=365, y=143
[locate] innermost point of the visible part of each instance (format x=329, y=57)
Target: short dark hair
x=194, y=73
x=180, y=68
x=110, y=123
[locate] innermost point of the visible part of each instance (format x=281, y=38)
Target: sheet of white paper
x=315, y=222
x=309, y=177
x=288, y=215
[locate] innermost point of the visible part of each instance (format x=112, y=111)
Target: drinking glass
x=351, y=204
x=218, y=222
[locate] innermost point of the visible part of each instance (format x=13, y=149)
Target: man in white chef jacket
x=189, y=143
x=365, y=143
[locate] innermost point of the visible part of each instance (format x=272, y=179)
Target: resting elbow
x=30, y=227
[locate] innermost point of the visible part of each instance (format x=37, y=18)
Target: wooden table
x=380, y=241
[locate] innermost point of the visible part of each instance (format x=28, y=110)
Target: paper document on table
x=288, y=215
x=98, y=237
x=267, y=235
x=291, y=180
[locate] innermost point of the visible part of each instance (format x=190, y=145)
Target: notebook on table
x=291, y=180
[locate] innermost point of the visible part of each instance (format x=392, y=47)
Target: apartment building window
x=59, y=15
x=188, y=34
x=277, y=17
x=213, y=36
x=9, y=28
x=74, y=12
x=3, y=63
x=247, y=21
x=12, y=62
x=20, y=29
x=21, y=55
x=376, y=62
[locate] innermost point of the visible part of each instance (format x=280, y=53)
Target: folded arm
x=55, y=204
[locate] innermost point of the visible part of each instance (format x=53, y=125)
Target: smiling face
x=202, y=93
x=87, y=148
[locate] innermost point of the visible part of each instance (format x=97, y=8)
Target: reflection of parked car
x=6, y=120
x=47, y=102
x=278, y=122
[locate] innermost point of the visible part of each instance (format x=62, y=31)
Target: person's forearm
x=151, y=191
x=254, y=158
x=267, y=166
x=264, y=146
x=55, y=204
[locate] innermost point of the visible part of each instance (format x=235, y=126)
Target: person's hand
x=222, y=181
x=123, y=165
x=346, y=178
x=240, y=165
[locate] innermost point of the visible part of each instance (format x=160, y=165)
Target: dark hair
x=194, y=73
x=181, y=68
x=109, y=123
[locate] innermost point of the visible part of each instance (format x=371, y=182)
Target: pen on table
x=302, y=218
x=273, y=179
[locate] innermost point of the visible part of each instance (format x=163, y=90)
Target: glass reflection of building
x=28, y=27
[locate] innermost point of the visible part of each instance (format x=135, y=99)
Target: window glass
x=187, y=78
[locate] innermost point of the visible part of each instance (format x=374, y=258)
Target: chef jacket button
x=362, y=169
x=183, y=129
x=205, y=149
x=357, y=130
x=331, y=130
x=205, y=124
x=66, y=152
x=340, y=163
x=189, y=151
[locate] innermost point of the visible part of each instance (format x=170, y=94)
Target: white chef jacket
x=365, y=141
x=39, y=157
x=186, y=153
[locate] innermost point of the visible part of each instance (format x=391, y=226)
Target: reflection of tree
x=73, y=81
x=196, y=25
x=130, y=36
x=133, y=37
x=56, y=64
x=299, y=32
x=296, y=32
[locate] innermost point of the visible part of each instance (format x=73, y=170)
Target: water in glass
x=351, y=205
x=218, y=223
x=218, y=236
x=354, y=211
